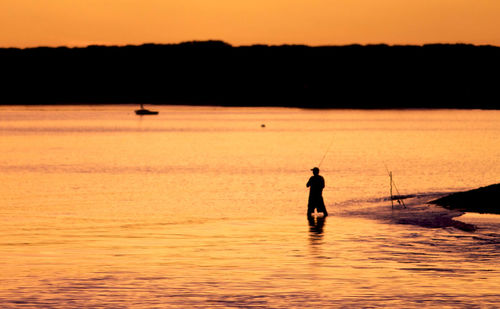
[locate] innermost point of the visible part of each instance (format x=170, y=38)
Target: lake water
x=205, y=207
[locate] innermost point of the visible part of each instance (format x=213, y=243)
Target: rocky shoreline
x=438, y=213
x=481, y=200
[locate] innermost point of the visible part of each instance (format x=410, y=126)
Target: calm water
x=203, y=207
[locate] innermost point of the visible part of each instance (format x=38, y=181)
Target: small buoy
x=262, y=125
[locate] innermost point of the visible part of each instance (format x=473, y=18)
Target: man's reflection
x=316, y=225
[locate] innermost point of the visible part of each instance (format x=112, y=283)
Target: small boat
x=143, y=111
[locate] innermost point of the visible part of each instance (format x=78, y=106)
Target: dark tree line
x=215, y=73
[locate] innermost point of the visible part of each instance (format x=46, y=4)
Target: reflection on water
x=201, y=207
x=316, y=225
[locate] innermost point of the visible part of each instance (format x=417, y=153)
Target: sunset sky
x=26, y=23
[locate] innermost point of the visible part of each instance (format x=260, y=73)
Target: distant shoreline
x=305, y=107
x=135, y=104
x=226, y=44
x=214, y=73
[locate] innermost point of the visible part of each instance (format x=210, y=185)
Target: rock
x=482, y=200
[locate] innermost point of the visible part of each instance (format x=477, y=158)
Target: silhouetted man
x=316, y=184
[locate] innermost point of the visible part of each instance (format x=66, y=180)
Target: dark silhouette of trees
x=215, y=73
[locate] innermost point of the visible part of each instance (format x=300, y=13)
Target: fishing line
x=326, y=152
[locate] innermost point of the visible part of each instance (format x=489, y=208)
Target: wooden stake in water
x=392, y=200
x=399, y=196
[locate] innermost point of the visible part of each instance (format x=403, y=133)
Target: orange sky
x=26, y=23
